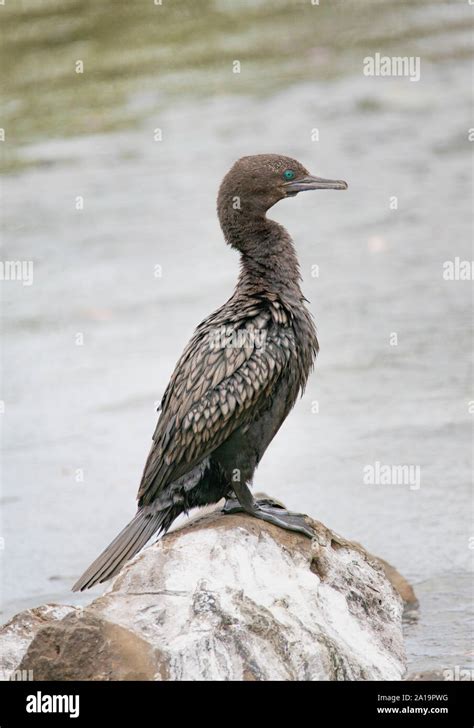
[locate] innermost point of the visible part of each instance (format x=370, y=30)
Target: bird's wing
x=226, y=372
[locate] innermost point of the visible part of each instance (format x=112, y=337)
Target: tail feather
x=124, y=546
x=129, y=549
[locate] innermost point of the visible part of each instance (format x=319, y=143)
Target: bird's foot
x=288, y=520
x=231, y=506
x=270, y=511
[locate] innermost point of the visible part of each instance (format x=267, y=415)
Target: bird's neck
x=268, y=258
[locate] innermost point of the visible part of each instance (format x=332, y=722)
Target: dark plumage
x=238, y=377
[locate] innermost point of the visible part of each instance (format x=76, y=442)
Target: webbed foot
x=270, y=511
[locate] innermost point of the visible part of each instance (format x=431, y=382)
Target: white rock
x=244, y=600
x=233, y=598
x=17, y=634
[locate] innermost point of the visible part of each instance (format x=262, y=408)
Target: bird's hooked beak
x=313, y=183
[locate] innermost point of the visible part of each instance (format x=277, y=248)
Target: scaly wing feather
x=222, y=380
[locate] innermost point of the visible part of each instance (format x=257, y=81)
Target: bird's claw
x=270, y=511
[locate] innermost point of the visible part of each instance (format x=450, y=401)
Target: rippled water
x=78, y=418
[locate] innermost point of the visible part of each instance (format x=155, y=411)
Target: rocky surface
x=226, y=598
x=17, y=634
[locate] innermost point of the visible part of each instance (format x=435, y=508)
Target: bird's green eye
x=289, y=174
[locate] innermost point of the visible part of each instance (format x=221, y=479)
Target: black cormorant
x=239, y=376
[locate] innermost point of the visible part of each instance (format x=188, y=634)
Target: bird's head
x=256, y=183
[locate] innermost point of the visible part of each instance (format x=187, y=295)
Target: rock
x=17, y=634
x=233, y=598
x=430, y=676
x=85, y=647
x=401, y=585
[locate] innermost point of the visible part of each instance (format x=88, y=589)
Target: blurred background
x=109, y=186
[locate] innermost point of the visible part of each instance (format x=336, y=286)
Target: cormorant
x=239, y=376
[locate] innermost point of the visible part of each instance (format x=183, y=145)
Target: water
x=143, y=263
